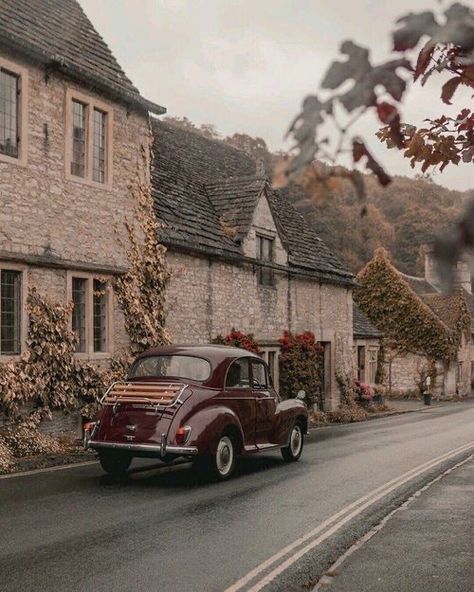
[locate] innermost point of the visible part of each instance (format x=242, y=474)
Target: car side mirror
x=301, y=395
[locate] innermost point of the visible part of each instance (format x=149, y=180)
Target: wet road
x=166, y=529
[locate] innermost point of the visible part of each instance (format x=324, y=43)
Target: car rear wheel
x=292, y=452
x=115, y=463
x=220, y=465
x=224, y=460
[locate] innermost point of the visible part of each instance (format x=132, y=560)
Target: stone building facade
x=74, y=135
x=72, y=127
x=216, y=215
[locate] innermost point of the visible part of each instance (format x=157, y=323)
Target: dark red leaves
x=449, y=88
x=389, y=115
x=424, y=58
x=359, y=150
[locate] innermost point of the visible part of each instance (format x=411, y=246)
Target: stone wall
x=68, y=224
x=207, y=298
x=453, y=379
x=46, y=215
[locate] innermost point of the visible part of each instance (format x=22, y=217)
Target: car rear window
x=175, y=366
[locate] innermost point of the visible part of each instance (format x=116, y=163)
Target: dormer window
x=265, y=256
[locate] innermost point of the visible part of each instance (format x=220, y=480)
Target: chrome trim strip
x=170, y=448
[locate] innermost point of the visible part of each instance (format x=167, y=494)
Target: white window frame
x=89, y=328
x=276, y=371
x=22, y=123
x=22, y=269
x=90, y=103
x=259, y=236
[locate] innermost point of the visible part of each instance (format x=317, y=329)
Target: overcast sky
x=245, y=65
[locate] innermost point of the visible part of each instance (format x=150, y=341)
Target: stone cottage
x=73, y=135
x=242, y=256
x=424, y=325
x=72, y=126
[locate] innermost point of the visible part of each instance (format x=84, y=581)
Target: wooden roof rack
x=154, y=393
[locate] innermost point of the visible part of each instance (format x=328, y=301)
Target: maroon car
x=207, y=402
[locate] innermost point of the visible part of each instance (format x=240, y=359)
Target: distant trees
x=354, y=86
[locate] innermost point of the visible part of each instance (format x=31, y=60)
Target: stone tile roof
x=445, y=306
x=205, y=193
x=59, y=34
x=305, y=249
x=362, y=327
x=235, y=199
x=418, y=284
x=183, y=206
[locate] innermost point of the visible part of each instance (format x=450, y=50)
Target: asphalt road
x=166, y=529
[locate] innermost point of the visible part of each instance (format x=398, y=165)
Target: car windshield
x=175, y=366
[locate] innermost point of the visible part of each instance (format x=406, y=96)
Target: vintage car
x=206, y=402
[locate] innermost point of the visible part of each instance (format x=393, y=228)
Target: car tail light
x=182, y=434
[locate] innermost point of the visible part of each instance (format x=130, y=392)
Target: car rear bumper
x=152, y=450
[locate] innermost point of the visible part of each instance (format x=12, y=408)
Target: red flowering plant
x=239, y=339
x=365, y=393
x=301, y=366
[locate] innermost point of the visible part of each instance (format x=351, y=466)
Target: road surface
x=273, y=527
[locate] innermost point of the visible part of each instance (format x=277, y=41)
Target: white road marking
x=337, y=521
x=364, y=539
x=49, y=469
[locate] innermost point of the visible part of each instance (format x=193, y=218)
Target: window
x=265, y=255
x=13, y=112
x=259, y=375
x=270, y=355
x=238, y=375
x=10, y=312
x=372, y=366
x=361, y=362
x=98, y=155
x=79, y=287
x=9, y=101
x=90, y=315
x=78, y=161
x=100, y=316
x=176, y=366
x=89, y=139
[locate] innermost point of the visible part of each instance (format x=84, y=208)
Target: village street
x=166, y=529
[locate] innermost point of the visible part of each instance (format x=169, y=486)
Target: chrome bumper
x=153, y=449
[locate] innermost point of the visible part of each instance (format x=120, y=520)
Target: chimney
x=462, y=273
x=462, y=276
x=260, y=169
x=431, y=273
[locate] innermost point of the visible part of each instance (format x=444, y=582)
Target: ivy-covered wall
x=415, y=335
x=404, y=318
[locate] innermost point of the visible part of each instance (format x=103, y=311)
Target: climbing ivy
x=405, y=319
